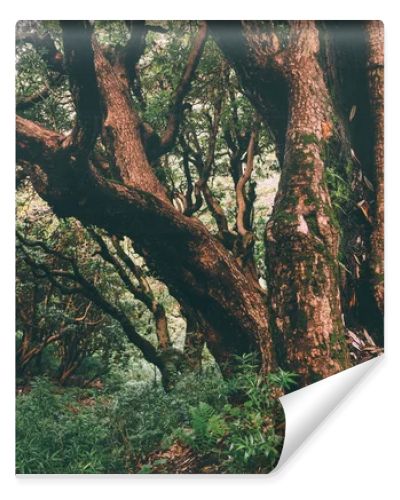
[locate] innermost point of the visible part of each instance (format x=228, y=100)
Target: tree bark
x=375, y=70
x=302, y=237
x=344, y=56
x=287, y=87
x=195, y=266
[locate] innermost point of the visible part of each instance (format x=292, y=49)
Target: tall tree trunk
x=375, y=70
x=302, y=237
x=287, y=87
x=345, y=54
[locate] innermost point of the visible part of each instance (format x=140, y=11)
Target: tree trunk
x=375, y=70
x=345, y=66
x=301, y=237
x=194, y=342
x=196, y=267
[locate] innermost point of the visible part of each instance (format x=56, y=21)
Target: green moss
x=337, y=177
x=309, y=201
x=339, y=354
x=348, y=169
x=309, y=139
x=282, y=217
x=312, y=224
x=298, y=157
x=377, y=279
x=320, y=247
x=333, y=216
x=333, y=339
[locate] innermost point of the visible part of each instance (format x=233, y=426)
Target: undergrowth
x=235, y=424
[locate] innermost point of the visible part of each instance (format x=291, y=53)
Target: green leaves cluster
x=244, y=437
x=236, y=426
x=55, y=434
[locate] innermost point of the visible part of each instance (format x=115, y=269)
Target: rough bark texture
x=279, y=65
x=375, y=69
x=344, y=56
x=196, y=267
x=122, y=131
x=301, y=237
x=302, y=240
x=249, y=45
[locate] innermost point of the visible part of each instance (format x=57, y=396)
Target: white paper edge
x=307, y=408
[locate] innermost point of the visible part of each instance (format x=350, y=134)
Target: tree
x=280, y=70
x=88, y=283
x=110, y=171
x=374, y=31
x=196, y=267
x=54, y=326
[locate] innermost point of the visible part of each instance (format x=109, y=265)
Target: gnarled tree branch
x=90, y=291
x=174, y=117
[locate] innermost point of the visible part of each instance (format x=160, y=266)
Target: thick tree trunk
x=301, y=237
x=196, y=267
x=302, y=240
x=375, y=69
x=344, y=55
x=278, y=65
x=248, y=46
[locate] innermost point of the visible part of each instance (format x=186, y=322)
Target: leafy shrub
x=246, y=437
x=74, y=430
x=147, y=417
x=55, y=434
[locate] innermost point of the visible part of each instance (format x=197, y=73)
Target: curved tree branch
x=175, y=113
x=26, y=102
x=240, y=187
x=90, y=291
x=79, y=64
x=142, y=293
x=197, y=269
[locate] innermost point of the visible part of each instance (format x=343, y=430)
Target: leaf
x=363, y=205
x=146, y=469
x=368, y=183
x=352, y=113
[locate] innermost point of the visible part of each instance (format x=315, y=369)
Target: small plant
x=245, y=437
x=339, y=190
x=208, y=427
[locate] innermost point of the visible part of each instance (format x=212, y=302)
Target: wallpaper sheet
x=199, y=246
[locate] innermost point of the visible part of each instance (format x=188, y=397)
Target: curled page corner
x=307, y=408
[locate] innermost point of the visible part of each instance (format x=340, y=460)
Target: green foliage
x=99, y=339
x=55, y=434
x=73, y=430
x=148, y=417
x=208, y=427
x=339, y=190
x=245, y=437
